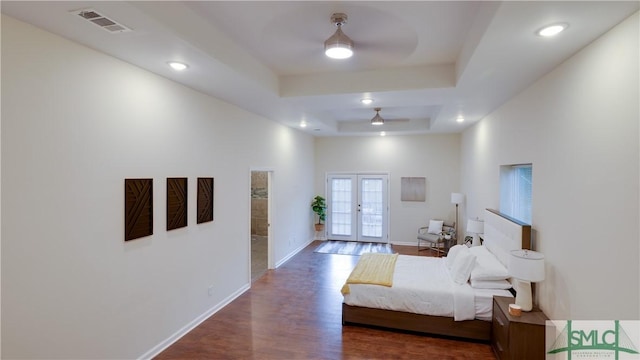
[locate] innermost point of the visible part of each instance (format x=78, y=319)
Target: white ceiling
x=425, y=62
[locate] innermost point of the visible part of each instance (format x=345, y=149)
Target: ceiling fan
x=378, y=120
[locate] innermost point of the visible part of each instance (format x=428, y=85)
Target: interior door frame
x=355, y=176
x=270, y=245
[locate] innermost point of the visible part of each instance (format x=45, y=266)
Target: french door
x=357, y=207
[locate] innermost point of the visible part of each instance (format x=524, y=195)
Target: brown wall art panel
x=205, y=200
x=176, y=203
x=138, y=208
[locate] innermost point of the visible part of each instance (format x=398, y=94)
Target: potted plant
x=319, y=206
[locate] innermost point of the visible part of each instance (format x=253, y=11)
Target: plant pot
x=319, y=227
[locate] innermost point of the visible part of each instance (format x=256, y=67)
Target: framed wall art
x=176, y=203
x=205, y=200
x=138, y=208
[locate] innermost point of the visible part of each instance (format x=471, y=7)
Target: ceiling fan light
x=338, y=53
x=377, y=120
x=338, y=46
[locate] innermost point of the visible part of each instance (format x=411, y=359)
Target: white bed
x=423, y=296
x=422, y=285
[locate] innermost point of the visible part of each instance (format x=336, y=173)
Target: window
x=515, y=191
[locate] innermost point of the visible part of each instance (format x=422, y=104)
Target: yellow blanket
x=372, y=268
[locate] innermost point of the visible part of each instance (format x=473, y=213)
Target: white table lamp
x=475, y=227
x=526, y=266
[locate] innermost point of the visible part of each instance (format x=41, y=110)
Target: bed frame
x=502, y=234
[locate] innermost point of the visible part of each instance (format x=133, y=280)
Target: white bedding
x=422, y=285
x=484, y=302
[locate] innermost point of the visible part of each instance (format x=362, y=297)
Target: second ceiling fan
x=377, y=120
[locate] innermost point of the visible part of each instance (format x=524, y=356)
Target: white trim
x=404, y=243
x=192, y=325
x=293, y=253
x=270, y=216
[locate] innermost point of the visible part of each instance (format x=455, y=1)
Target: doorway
x=357, y=207
x=260, y=194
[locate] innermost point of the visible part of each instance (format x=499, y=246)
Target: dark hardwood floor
x=294, y=312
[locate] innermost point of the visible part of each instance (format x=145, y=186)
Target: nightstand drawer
x=500, y=333
x=517, y=337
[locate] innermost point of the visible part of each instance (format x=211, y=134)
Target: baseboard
x=191, y=325
x=405, y=243
x=293, y=253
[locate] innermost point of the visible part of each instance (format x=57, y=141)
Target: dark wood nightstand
x=517, y=337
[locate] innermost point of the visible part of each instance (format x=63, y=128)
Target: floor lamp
x=457, y=198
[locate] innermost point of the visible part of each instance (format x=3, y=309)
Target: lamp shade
x=475, y=226
x=526, y=265
x=457, y=198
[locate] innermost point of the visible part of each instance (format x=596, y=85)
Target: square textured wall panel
x=176, y=203
x=138, y=208
x=413, y=189
x=205, y=200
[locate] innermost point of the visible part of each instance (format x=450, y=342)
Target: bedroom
x=578, y=125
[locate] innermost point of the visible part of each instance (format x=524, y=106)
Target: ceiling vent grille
x=102, y=21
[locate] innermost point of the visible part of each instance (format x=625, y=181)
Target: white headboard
x=503, y=234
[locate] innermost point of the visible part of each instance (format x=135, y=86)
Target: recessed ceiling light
x=303, y=124
x=460, y=119
x=382, y=133
x=177, y=65
x=551, y=30
x=366, y=101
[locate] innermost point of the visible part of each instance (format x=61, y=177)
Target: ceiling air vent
x=102, y=21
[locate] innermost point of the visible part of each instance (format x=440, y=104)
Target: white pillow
x=435, y=226
x=491, y=284
x=488, y=267
x=462, y=266
x=452, y=254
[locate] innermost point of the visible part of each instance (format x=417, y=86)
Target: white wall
x=435, y=157
x=578, y=125
x=75, y=124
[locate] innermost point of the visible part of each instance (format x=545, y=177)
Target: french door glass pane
x=341, y=207
x=371, y=207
